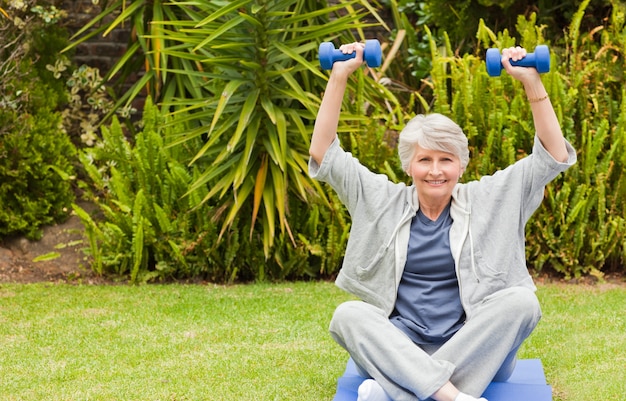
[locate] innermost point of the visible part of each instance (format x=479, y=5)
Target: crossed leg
x=483, y=349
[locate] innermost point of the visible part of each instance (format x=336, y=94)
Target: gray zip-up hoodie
x=486, y=238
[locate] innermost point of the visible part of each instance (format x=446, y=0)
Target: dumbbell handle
x=528, y=61
x=338, y=55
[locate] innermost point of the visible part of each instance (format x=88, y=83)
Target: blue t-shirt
x=428, y=307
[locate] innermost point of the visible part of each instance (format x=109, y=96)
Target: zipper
x=466, y=232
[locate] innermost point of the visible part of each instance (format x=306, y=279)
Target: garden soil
x=58, y=257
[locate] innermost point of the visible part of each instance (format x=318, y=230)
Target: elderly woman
x=439, y=266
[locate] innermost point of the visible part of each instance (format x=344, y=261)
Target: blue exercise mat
x=527, y=383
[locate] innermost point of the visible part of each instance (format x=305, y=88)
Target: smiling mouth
x=436, y=182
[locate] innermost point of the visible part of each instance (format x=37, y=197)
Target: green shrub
x=149, y=226
x=35, y=171
x=582, y=228
x=36, y=155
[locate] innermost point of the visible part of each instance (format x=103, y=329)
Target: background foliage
x=213, y=183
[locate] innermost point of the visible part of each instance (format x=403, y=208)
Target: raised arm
x=546, y=123
x=325, y=130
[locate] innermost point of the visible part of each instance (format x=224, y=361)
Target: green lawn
x=252, y=342
x=582, y=341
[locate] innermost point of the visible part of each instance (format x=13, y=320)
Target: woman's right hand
x=347, y=67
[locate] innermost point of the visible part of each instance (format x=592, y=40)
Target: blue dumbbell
x=540, y=59
x=372, y=54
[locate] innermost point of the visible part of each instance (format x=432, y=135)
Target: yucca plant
x=261, y=87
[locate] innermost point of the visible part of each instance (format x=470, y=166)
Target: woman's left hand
x=523, y=74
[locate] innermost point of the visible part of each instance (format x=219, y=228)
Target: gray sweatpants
x=482, y=350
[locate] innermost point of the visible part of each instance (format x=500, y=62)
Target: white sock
x=467, y=397
x=370, y=390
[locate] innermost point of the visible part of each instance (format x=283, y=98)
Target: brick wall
x=100, y=52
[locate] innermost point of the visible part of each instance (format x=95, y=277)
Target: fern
x=150, y=230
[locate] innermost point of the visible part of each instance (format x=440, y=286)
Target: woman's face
x=435, y=173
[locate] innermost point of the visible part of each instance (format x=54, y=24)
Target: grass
x=252, y=342
x=581, y=341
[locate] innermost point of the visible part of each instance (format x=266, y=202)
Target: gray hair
x=435, y=132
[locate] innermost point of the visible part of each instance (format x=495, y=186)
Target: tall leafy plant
x=588, y=215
